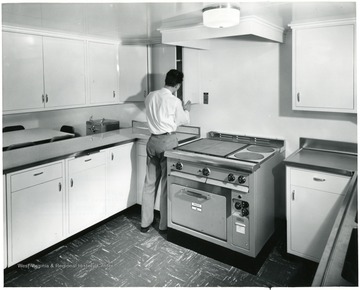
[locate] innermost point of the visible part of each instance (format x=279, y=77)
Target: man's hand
x=187, y=106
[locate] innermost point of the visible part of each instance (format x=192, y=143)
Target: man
x=164, y=112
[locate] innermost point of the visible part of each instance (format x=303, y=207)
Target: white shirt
x=164, y=112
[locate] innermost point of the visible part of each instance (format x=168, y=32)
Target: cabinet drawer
x=86, y=162
x=35, y=176
x=319, y=180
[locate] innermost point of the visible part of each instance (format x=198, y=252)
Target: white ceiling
x=142, y=20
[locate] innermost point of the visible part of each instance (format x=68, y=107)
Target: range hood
x=199, y=36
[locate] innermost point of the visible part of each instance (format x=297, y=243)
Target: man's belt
x=162, y=134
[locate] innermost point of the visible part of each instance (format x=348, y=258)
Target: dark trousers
x=156, y=171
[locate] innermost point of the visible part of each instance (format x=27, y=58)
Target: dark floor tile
x=117, y=254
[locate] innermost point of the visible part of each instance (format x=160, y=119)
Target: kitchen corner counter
x=35, y=155
x=332, y=162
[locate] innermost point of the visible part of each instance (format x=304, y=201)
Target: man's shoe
x=146, y=229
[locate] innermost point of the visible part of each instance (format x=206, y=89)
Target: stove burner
x=248, y=156
x=260, y=149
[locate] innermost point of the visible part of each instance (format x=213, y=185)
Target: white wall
x=249, y=85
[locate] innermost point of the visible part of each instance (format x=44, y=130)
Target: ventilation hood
x=199, y=36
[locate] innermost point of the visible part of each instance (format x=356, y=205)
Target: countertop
x=35, y=155
x=333, y=162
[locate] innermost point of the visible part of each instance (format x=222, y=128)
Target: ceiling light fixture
x=221, y=16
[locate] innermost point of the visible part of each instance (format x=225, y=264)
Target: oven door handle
x=195, y=194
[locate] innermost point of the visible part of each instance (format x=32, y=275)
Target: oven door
x=199, y=210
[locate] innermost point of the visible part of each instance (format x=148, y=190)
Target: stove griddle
x=212, y=147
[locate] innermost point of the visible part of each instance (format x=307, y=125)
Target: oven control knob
x=237, y=205
x=241, y=179
x=179, y=166
x=206, y=171
x=231, y=177
x=244, y=212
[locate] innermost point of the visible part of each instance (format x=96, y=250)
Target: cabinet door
x=163, y=59
x=323, y=68
x=86, y=197
x=191, y=70
x=120, y=178
x=35, y=219
x=312, y=215
x=133, y=73
x=104, y=73
x=64, y=70
x=22, y=72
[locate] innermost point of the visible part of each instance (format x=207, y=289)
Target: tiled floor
x=117, y=254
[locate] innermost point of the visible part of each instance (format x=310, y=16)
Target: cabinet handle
x=113, y=94
x=298, y=97
x=71, y=182
x=42, y=98
x=293, y=195
x=319, y=179
x=47, y=98
x=112, y=156
x=60, y=186
x=87, y=160
x=37, y=174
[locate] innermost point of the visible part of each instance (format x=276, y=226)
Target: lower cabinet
x=45, y=204
x=313, y=200
x=120, y=178
x=86, y=191
x=141, y=157
x=35, y=210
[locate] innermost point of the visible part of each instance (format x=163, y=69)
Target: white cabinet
x=313, y=200
x=22, y=72
x=162, y=59
x=103, y=72
x=35, y=210
x=141, y=157
x=324, y=67
x=188, y=60
x=191, y=64
x=42, y=72
x=86, y=191
x=133, y=60
x=64, y=72
x=120, y=178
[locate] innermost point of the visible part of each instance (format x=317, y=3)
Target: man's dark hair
x=174, y=77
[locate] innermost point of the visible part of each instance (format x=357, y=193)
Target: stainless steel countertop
x=333, y=162
x=35, y=155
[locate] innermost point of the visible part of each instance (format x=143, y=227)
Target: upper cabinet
x=166, y=57
x=103, y=72
x=133, y=60
x=22, y=72
x=64, y=72
x=42, y=72
x=324, y=67
x=47, y=71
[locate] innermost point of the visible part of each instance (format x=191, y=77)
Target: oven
x=221, y=199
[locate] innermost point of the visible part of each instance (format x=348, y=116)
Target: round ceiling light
x=221, y=16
